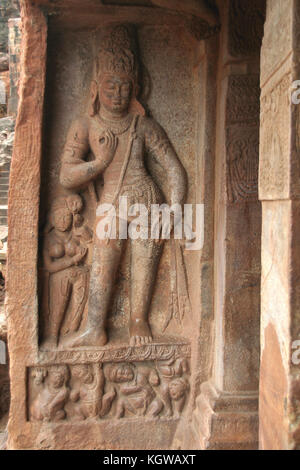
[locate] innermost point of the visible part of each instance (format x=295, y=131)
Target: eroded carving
x=108, y=391
x=114, y=140
x=242, y=137
x=53, y=393
x=275, y=140
x=89, y=394
x=65, y=275
x=242, y=158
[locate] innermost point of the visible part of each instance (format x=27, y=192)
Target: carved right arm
x=75, y=171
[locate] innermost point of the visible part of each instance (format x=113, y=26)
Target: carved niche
x=103, y=354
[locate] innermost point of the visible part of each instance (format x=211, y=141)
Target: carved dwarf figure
x=137, y=396
x=112, y=142
x=66, y=278
x=174, y=386
x=50, y=401
x=91, y=402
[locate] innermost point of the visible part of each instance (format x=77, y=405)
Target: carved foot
x=89, y=337
x=140, y=332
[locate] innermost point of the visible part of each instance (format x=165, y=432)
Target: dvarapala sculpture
x=111, y=142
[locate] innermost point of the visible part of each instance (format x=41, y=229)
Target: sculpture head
x=58, y=376
x=121, y=373
x=74, y=203
x=178, y=388
x=83, y=372
x=61, y=216
x=115, y=92
x=115, y=86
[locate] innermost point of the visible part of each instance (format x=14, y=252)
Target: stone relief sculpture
x=137, y=394
x=91, y=402
x=174, y=385
x=112, y=141
x=51, y=399
x=66, y=277
x=100, y=391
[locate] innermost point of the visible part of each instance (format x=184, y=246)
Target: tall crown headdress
x=118, y=54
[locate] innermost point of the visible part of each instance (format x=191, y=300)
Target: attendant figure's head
x=61, y=217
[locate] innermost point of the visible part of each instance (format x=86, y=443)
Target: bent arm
x=75, y=171
x=160, y=148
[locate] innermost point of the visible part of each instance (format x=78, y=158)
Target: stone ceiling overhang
x=201, y=18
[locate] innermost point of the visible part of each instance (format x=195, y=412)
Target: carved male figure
x=119, y=137
x=174, y=385
x=89, y=396
x=50, y=401
x=137, y=395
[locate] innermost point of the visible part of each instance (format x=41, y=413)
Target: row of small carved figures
x=119, y=390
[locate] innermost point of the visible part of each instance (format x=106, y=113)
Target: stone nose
x=117, y=92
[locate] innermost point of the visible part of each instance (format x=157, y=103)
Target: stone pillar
x=279, y=191
x=226, y=416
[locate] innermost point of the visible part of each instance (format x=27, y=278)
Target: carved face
x=123, y=374
x=177, y=388
x=62, y=219
x=115, y=93
x=56, y=379
x=75, y=203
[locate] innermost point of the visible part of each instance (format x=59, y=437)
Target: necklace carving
x=116, y=127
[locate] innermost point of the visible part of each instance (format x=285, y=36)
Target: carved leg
x=60, y=289
x=106, y=259
x=107, y=402
x=80, y=296
x=165, y=394
x=155, y=408
x=120, y=412
x=145, y=256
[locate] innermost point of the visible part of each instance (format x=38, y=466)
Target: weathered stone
x=4, y=61
x=132, y=348
x=279, y=192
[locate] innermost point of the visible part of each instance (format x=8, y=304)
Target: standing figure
x=120, y=138
x=66, y=278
